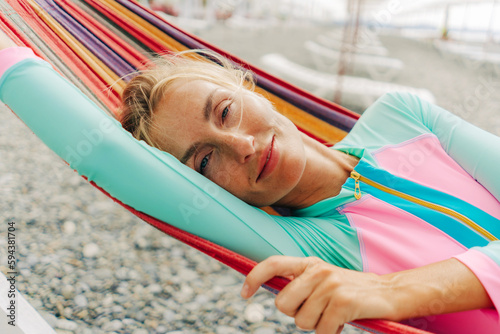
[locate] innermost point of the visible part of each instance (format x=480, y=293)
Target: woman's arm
x=324, y=297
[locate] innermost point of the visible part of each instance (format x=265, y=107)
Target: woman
x=208, y=117
x=249, y=144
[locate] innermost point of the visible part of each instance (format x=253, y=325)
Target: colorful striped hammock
x=95, y=44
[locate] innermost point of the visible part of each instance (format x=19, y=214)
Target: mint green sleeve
x=149, y=180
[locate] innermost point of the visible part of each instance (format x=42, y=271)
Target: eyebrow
x=207, y=110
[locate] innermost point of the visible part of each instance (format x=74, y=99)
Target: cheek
x=227, y=177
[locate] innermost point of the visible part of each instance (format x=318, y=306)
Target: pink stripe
x=13, y=55
x=475, y=321
x=423, y=160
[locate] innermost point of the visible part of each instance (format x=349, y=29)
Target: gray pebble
x=117, y=309
x=128, y=322
x=134, y=275
x=121, y=273
x=140, y=316
x=81, y=301
x=68, y=291
x=103, y=273
x=202, y=299
x=67, y=312
x=226, y=280
x=114, y=325
x=225, y=330
x=264, y=330
x=90, y=250
x=155, y=288
x=69, y=227
x=168, y=316
x=143, y=243
x=66, y=324
x=254, y=313
x=188, y=274
x=140, y=331
x=107, y=301
x=81, y=330
x=161, y=329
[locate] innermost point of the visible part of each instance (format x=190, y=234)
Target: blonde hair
x=143, y=93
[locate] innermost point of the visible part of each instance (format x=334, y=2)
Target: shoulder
x=400, y=104
x=392, y=119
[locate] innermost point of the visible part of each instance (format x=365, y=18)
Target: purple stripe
x=116, y=63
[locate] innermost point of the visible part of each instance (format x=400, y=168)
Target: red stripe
x=14, y=34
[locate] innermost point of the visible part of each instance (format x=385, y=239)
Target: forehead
x=178, y=118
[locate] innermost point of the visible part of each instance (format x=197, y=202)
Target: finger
x=308, y=292
x=330, y=321
x=308, y=314
x=269, y=268
x=293, y=296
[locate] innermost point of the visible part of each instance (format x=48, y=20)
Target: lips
x=268, y=160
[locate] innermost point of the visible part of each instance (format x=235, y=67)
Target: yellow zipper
x=357, y=194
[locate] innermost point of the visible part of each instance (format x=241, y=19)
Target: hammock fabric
x=96, y=43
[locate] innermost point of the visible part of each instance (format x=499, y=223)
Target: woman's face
x=237, y=140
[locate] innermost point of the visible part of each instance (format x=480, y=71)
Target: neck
x=325, y=172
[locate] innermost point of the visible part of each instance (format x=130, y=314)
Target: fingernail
x=244, y=291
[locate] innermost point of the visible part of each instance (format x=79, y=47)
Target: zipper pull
x=357, y=191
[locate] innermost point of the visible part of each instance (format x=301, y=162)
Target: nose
x=241, y=146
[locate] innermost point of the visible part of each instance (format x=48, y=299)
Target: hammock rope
x=96, y=51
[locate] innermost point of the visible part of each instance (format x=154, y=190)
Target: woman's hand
x=324, y=297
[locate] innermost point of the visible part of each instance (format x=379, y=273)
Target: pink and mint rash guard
x=416, y=148
x=405, y=145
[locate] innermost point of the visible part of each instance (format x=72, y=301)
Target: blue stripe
x=449, y=225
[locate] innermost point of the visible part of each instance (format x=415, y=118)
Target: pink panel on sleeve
x=486, y=270
x=423, y=160
x=13, y=55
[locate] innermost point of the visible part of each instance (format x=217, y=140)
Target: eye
x=204, y=162
x=225, y=112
